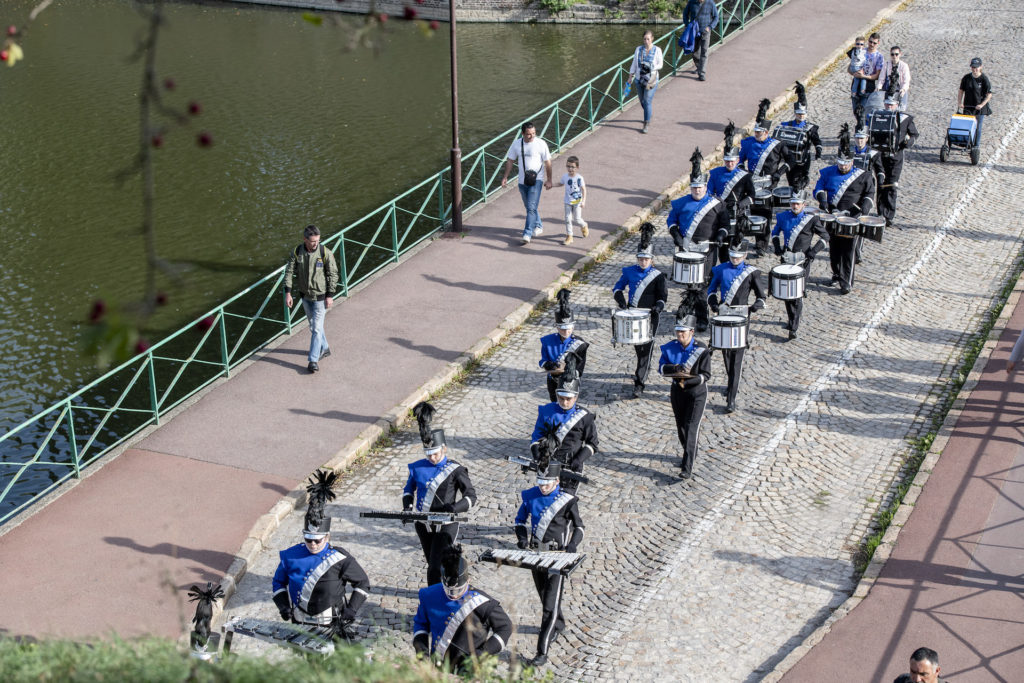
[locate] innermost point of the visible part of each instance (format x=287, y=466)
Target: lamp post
x=456, y=226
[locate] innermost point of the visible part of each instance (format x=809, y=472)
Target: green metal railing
x=54, y=445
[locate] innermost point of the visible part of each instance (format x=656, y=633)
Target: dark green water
x=304, y=131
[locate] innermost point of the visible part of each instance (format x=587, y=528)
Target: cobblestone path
x=719, y=577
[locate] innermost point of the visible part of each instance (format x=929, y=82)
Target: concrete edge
x=903, y=512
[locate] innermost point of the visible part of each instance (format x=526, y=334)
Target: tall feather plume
x=683, y=309
x=563, y=302
x=204, y=608
x=696, y=160
x=450, y=559
x=762, y=109
x=730, y=133
x=424, y=413
x=801, y=93
x=894, y=82
x=859, y=113
x=548, y=445
x=321, y=490
x=646, y=235
x=844, y=140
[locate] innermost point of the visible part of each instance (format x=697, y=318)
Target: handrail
x=56, y=443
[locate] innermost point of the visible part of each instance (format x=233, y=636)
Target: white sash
x=846, y=186
x=740, y=175
x=764, y=157
x=455, y=621
x=699, y=216
x=567, y=426
x=797, y=229
x=635, y=299
x=333, y=558
x=734, y=288
x=576, y=343
x=435, y=483
x=698, y=351
x=560, y=502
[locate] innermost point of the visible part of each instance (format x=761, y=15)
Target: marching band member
x=732, y=185
x=455, y=623
x=843, y=188
x=689, y=363
x=693, y=221
x=309, y=584
x=892, y=159
x=555, y=346
x=732, y=283
x=548, y=519
x=764, y=156
x=574, y=427
x=647, y=289
x=867, y=159
x=798, y=174
x=794, y=231
x=434, y=483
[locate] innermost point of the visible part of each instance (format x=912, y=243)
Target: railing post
x=344, y=266
x=394, y=230
x=590, y=104
x=440, y=199
x=72, y=440
x=287, y=311
x=483, y=177
x=152, y=389
x=558, y=130
x=224, y=344
x=675, y=57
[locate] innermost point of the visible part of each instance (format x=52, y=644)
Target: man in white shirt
x=534, y=159
x=902, y=70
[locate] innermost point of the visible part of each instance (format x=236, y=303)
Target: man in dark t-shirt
x=974, y=95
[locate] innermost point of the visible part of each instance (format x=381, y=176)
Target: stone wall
x=516, y=11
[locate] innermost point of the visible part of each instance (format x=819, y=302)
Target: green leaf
x=314, y=19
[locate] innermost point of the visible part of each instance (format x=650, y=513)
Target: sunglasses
x=873, y=42
x=859, y=44
x=894, y=54
x=314, y=541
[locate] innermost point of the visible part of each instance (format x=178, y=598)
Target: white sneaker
x=526, y=239
x=538, y=231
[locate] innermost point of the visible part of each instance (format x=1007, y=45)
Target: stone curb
x=399, y=416
x=903, y=512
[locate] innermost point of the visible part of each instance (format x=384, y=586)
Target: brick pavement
x=720, y=577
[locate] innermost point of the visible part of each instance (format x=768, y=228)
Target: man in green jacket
x=314, y=272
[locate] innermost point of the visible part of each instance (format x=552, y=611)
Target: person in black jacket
x=794, y=231
x=892, y=159
x=688, y=362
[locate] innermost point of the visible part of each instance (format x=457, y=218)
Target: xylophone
x=531, y=464
x=411, y=516
x=312, y=639
x=561, y=563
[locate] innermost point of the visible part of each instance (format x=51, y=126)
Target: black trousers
x=798, y=175
x=434, y=543
x=794, y=308
x=550, y=588
x=644, y=353
x=840, y=255
x=733, y=359
x=887, y=192
x=688, y=408
x=761, y=241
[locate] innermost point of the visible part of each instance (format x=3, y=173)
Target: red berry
x=194, y=108
x=434, y=25
x=98, y=310
x=409, y=12
x=142, y=345
x=206, y=323
x=383, y=18
x=12, y=30
x=3, y=55
x=161, y=298
x=204, y=139
x=169, y=83
x=157, y=140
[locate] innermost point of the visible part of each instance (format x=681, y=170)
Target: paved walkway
x=722, y=577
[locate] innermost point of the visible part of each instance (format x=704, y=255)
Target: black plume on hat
x=801, y=94
x=844, y=141
x=320, y=490
x=564, y=313
x=730, y=133
x=893, y=90
x=569, y=380
x=646, y=235
x=424, y=413
x=762, y=109
x=859, y=113
x=454, y=567
x=204, y=608
x=696, y=160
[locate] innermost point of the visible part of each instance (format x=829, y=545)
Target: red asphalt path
x=116, y=552
x=955, y=579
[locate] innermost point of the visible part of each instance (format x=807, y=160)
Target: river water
x=303, y=131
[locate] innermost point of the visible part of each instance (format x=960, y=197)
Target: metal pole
x=456, y=152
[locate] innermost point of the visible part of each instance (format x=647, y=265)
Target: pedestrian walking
x=924, y=667
x=974, y=95
x=865, y=67
x=575, y=198
x=534, y=159
x=314, y=273
x=1016, y=353
x=643, y=71
x=705, y=13
x=903, y=75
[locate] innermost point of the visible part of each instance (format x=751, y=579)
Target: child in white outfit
x=575, y=198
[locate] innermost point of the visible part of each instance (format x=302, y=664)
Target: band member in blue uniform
x=555, y=346
x=866, y=159
x=731, y=283
x=904, y=135
x=798, y=174
x=548, y=520
x=455, y=623
x=436, y=484
x=735, y=187
x=794, y=231
x=763, y=156
x=845, y=190
x=573, y=426
x=695, y=222
x=643, y=286
x=310, y=582
x=688, y=362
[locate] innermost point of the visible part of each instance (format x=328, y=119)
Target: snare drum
x=631, y=326
x=729, y=332
x=761, y=182
x=756, y=225
x=787, y=282
x=846, y=226
x=828, y=221
x=813, y=210
x=688, y=268
x=781, y=195
x=763, y=200
x=871, y=227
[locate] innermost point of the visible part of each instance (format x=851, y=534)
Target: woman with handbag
x=647, y=61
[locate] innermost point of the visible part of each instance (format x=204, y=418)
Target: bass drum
x=787, y=282
x=729, y=332
x=631, y=326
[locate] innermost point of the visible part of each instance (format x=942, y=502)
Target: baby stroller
x=960, y=137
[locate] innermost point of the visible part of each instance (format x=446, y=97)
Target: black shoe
x=843, y=289
x=888, y=222
x=683, y=474
x=792, y=334
x=730, y=407
x=700, y=77
x=539, y=661
x=313, y=367
x=325, y=354
x=637, y=391
x=834, y=280
x=759, y=252
x=787, y=326
x=857, y=261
